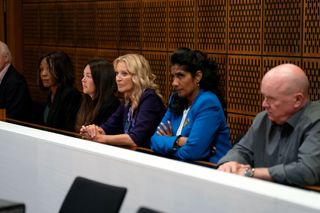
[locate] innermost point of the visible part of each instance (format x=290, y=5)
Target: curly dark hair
x=192, y=61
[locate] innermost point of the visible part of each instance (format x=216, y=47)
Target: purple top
x=141, y=126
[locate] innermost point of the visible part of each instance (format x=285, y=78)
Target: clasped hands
x=91, y=132
x=166, y=130
x=234, y=167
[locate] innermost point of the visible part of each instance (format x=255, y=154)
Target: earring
x=198, y=85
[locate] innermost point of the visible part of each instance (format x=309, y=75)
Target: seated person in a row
x=56, y=74
x=194, y=126
x=283, y=143
x=98, y=100
x=137, y=118
x=14, y=93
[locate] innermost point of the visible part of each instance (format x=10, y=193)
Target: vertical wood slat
x=311, y=29
x=2, y=21
x=2, y=114
x=245, y=27
x=14, y=33
x=282, y=27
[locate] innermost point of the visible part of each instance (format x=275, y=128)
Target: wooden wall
x=11, y=29
x=245, y=37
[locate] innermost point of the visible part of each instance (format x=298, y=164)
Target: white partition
x=38, y=167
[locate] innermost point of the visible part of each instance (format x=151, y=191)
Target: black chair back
x=86, y=196
x=143, y=209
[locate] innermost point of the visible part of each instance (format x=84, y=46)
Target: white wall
x=38, y=167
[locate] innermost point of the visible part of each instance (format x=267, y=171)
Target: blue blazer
x=205, y=126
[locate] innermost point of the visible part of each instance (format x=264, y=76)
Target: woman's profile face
x=183, y=82
x=45, y=75
x=88, y=86
x=123, y=78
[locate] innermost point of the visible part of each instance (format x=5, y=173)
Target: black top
x=15, y=96
x=62, y=112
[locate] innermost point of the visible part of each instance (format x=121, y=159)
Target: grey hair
x=4, y=51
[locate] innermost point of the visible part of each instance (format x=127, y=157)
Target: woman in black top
x=99, y=88
x=56, y=75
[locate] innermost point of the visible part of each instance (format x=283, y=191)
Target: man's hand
x=234, y=167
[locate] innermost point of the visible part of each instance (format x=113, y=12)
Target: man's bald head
x=5, y=56
x=285, y=91
x=289, y=78
x=5, y=52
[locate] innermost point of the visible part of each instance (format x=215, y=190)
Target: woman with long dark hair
x=194, y=126
x=99, y=87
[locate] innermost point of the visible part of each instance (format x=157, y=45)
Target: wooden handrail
x=197, y=162
x=206, y=163
x=37, y=126
x=313, y=187
x=2, y=114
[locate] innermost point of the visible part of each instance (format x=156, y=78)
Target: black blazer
x=15, y=96
x=64, y=108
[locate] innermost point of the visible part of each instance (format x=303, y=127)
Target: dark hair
x=103, y=77
x=191, y=61
x=60, y=67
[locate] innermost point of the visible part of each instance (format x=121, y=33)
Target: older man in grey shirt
x=283, y=143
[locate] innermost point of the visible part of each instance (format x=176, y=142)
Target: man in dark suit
x=14, y=93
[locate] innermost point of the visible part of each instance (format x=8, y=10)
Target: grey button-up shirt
x=291, y=152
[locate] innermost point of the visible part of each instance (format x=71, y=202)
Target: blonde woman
x=137, y=118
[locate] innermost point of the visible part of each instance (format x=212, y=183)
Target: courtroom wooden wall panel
x=245, y=27
x=181, y=24
x=86, y=25
x=31, y=24
x=66, y=24
x=311, y=30
x=130, y=25
x=312, y=68
x=48, y=24
x=108, y=26
x=154, y=25
x=244, y=76
x=212, y=25
x=245, y=37
x=129, y=51
x=282, y=32
x=109, y=55
x=2, y=21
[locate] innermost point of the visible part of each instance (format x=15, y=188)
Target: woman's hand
x=165, y=129
x=91, y=132
x=182, y=141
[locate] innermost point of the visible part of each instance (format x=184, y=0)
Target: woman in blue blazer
x=194, y=126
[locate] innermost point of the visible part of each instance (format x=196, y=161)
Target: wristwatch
x=249, y=172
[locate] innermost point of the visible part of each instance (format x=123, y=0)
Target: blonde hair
x=4, y=51
x=142, y=77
